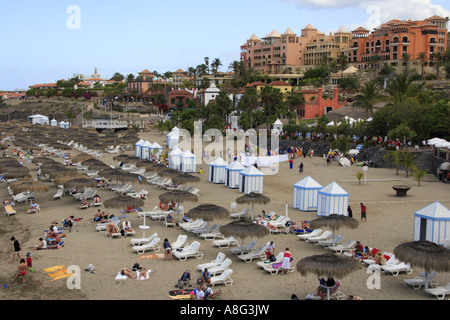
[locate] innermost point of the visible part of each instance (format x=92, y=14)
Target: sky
x=47, y=40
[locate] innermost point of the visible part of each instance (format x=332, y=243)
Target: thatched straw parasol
x=185, y=178
x=329, y=265
x=28, y=185
x=63, y=177
x=424, y=254
x=80, y=183
x=82, y=157
x=242, y=229
x=123, y=202
x=334, y=222
x=168, y=173
x=253, y=197
x=121, y=157
x=208, y=212
x=178, y=196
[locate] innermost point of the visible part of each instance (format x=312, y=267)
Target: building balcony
x=433, y=43
x=394, y=43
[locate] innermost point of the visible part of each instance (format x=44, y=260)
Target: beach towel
x=120, y=276
x=138, y=274
x=151, y=256
x=179, y=294
x=55, y=268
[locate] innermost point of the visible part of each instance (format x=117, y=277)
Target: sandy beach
x=389, y=223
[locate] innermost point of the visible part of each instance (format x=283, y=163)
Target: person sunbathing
x=170, y=219
x=33, y=208
x=55, y=240
x=83, y=203
x=127, y=227
x=112, y=228
x=127, y=272
x=42, y=245
x=97, y=199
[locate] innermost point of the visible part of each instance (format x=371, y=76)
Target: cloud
x=381, y=11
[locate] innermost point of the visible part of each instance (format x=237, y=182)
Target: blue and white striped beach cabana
x=145, y=150
x=232, y=172
x=188, y=162
x=332, y=199
x=155, y=147
x=172, y=138
x=305, y=194
x=175, y=158
x=217, y=172
x=137, y=148
x=251, y=180
x=432, y=223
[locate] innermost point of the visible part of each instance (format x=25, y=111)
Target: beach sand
x=389, y=223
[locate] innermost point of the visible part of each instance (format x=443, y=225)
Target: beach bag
x=272, y=258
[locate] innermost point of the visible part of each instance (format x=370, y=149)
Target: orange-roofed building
x=391, y=40
x=178, y=99
x=44, y=86
x=274, y=51
x=316, y=106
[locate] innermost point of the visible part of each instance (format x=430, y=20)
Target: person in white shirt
x=269, y=249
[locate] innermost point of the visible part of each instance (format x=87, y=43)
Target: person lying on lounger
x=112, y=228
x=83, y=203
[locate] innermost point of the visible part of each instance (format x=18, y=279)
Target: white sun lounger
x=313, y=233
x=417, y=283
x=245, y=249
x=239, y=214
x=153, y=245
x=258, y=253
x=439, y=292
x=220, y=268
x=225, y=243
x=180, y=242
x=137, y=242
x=324, y=236
x=224, y=278
x=330, y=242
x=191, y=250
x=219, y=259
x=278, y=259
x=340, y=248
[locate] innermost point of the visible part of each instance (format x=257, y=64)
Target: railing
x=105, y=124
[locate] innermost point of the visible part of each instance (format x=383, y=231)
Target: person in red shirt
x=363, y=212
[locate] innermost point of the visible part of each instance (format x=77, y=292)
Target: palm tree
x=215, y=65
x=224, y=103
x=250, y=101
x=293, y=100
x=398, y=88
x=423, y=58
x=407, y=161
x=395, y=155
x=418, y=174
x=130, y=77
x=192, y=73
x=369, y=96
x=436, y=58
x=206, y=59
x=406, y=58
x=236, y=67
x=342, y=61
x=270, y=97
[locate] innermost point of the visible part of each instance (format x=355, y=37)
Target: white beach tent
x=54, y=123
x=63, y=124
x=172, y=138
x=306, y=194
x=175, y=158
x=38, y=119
x=232, y=172
x=332, y=199
x=145, y=150
x=251, y=180
x=432, y=223
x=137, y=148
x=217, y=172
x=188, y=162
x=155, y=147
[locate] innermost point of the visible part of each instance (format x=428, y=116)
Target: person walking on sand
x=22, y=270
x=363, y=212
x=350, y=211
x=17, y=249
x=167, y=250
x=300, y=167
